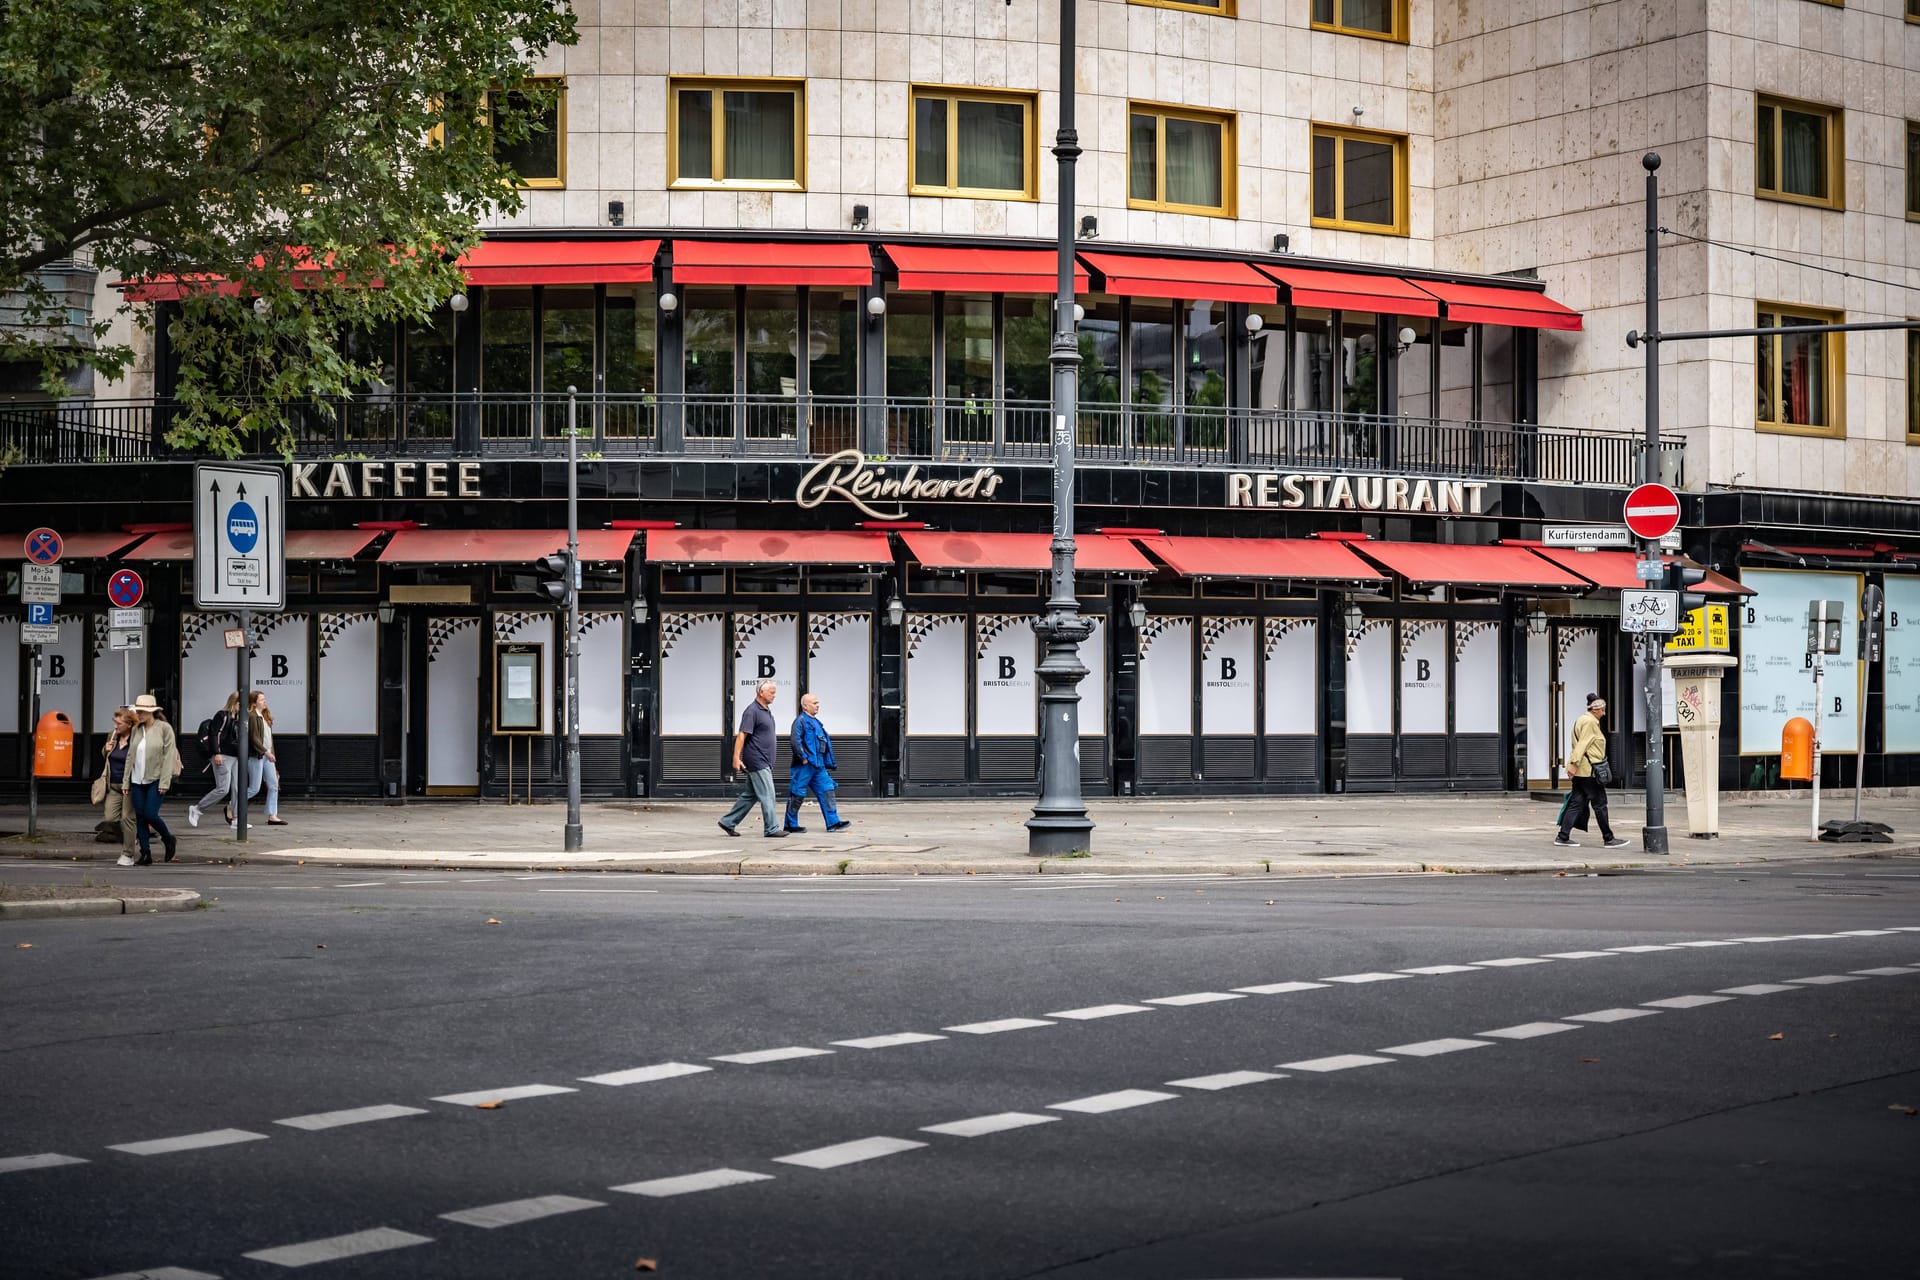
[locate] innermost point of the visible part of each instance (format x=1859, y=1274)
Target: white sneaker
x=1565, y=843
x=1616, y=843
x=193, y=815
x=126, y=859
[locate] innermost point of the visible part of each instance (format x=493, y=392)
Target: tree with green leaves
x=310, y=169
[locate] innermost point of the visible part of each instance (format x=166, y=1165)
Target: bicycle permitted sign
x=1650, y=612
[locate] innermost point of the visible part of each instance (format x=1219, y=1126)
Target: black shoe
x=776, y=835
x=839, y=826
x=173, y=846
x=796, y=831
x=227, y=811
x=730, y=831
x=144, y=860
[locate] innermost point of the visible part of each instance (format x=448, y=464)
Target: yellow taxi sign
x=1702, y=630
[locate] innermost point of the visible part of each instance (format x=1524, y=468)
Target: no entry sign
x=1653, y=511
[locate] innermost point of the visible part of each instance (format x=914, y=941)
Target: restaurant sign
x=849, y=477
x=1296, y=491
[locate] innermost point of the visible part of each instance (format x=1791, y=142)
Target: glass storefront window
x=968, y=362
x=909, y=334
x=1205, y=366
x=1414, y=371
x=1456, y=373
x=1359, y=365
x=763, y=582
x=1100, y=414
x=684, y=583
x=1028, y=342
x=1496, y=373
x=833, y=342
x=1006, y=584
x=506, y=340
x=773, y=342
x=709, y=341
x=838, y=582
x=630, y=361
x=1150, y=346
x=1316, y=382
x=1267, y=359
x=566, y=338
x=931, y=582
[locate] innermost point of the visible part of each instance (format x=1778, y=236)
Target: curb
x=176, y=900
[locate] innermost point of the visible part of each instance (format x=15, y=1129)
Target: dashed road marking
x=1430, y=969
x=1823, y=980
x=1611, y=1015
x=845, y=1153
x=1529, y=1030
x=888, y=1042
x=980, y=1126
x=608, y=890
x=646, y=1075
x=1511, y=962
x=1685, y=1002
x=771, y=1055
x=1224, y=1080
x=1865, y=933
x=515, y=1093
x=1888, y=971
x=514, y=1212
x=46, y=1160
x=1196, y=997
x=1781, y=938
x=1099, y=1011
x=1338, y=1062
x=1357, y=978
x=999, y=1025
x=333, y=1248
x=188, y=1142
x=687, y=1183
x=359, y=1115
x=1709, y=942
x=1643, y=949
x=1281, y=988
x=1119, y=1100
x=1434, y=1048
x=364, y=884
x=161, y=1273
x=1758, y=989
x=1580, y=955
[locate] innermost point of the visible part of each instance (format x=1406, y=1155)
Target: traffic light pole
x=573, y=838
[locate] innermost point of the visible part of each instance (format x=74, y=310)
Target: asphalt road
x=1182, y=1078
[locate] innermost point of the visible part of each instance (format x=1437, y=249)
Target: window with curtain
x=1383, y=19
x=540, y=158
x=1180, y=161
x=1798, y=376
x=1359, y=180
x=973, y=143
x=736, y=133
x=1797, y=152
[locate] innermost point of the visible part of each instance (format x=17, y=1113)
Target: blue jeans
x=804, y=778
x=260, y=769
x=759, y=791
x=146, y=797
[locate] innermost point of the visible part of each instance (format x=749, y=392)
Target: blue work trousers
x=803, y=778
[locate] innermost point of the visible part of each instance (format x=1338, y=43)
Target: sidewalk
x=1313, y=835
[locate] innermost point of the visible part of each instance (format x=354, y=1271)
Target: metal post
x=246, y=721
x=33, y=726
x=1653, y=836
x=1819, y=696
x=1060, y=823
x=572, y=842
x=126, y=677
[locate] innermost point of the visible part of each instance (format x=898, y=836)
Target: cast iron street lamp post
x=572, y=841
x=1060, y=823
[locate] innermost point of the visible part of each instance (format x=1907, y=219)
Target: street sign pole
x=572, y=839
x=33, y=775
x=246, y=722
x=1653, y=835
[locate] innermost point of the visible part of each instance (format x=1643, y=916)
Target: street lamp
x=1059, y=823
x=455, y=305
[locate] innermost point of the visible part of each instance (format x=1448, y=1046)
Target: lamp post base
x=1054, y=835
x=1060, y=824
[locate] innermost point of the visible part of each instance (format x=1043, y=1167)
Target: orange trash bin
x=1796, y=750
x=53, y=746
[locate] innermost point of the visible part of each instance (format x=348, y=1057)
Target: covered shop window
x=631, y=361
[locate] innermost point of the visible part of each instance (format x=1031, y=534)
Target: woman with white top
x=153, y=761
x=263, y=766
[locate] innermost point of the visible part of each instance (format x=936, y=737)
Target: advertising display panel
x=1776, y=672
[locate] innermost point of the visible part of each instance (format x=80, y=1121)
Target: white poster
x=1902, y=700
x=1776, y=673
x=118, y=678
x=10, y=674
x=1423, y=675
x=1293, y=676
x=1166, y=676
x=1579, y=649
x=603, y=672
x=1226, y=676
x=1370, y=677
x=1005, y=697
x=453, y=701
x=350, y=672
x=209, y=672
x=63, y=671
x=1093, y=689
x=936, y=675
x=532, y=627
x=692, y=698
x=766, y=646
x=279, y=668
x=1541, y=764
x=1476, y=677
x=840, y=671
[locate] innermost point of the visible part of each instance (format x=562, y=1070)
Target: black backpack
x=207, y=736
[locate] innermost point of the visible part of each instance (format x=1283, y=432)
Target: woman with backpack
x=220, y=739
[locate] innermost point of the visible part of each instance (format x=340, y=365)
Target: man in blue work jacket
x=812, y=767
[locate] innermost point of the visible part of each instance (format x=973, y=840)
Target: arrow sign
x=239, y=541
x=1653, y=511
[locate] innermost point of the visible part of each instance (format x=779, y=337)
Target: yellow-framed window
x=540, y=158
x=1913, y=10
x=1799, y=152
x=1913, y=167
x=1799, y=377
x=737, y=133
x=1180, y=160
x=1913, y=386
x=1375, y=19
x=1222, y=8
x=1359, y=180
x=972, y=142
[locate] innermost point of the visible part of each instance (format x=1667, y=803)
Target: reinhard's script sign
x=849, y=477
x=1308, y=492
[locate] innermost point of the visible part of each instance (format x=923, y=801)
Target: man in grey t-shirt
x=753, y=755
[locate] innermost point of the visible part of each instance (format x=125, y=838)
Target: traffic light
x=556, y=577
x=1681, y=579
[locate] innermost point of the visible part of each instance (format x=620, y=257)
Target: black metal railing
x=952, y=429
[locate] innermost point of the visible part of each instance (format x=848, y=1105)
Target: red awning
x=766, y=546
x=499, y=546
x=930, y=269
x=171, y=544
x=501, y=262
x=1613, y=571
x=1305, y=558
x=302, y=544
x=1093, y=552
x=1353, y=291
x=1491, y=304
x=1439, y=562
x=771, y=262
x=74, y=546
x=1130, y=276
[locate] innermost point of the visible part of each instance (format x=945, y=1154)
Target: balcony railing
x=952, y=430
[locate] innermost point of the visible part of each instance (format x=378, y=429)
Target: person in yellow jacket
x=1589, y=748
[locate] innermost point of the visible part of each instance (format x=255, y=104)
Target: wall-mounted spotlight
x=616, y=213
x=1280, y=242
x=876, y=307
x=860, y=217
x=1255, y=322
x=1089, y=227
x=1404, y=339
x=457, y=303
x=669, y=302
